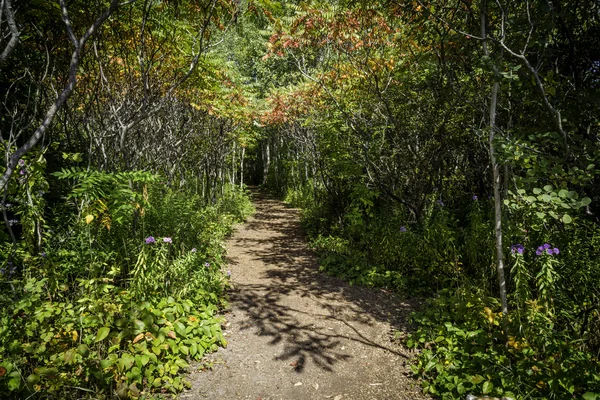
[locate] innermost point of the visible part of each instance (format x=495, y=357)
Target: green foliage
x=103, y=310
x=467, y=346
x=384, y=248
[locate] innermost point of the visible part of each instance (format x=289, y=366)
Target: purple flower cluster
x=167, y=240
x=546, y=248
x=403, y=229
x=9, y=270
x=517, y=248
x=21, y=163
x=475, y=198
x=150, y=240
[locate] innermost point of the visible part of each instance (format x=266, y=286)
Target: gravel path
x=295, y=333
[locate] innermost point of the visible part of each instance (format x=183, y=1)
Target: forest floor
x=296, y=333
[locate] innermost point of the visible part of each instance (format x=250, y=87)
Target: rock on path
x=295, y=333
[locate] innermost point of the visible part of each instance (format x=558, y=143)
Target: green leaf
x=537, y=190
x=590, y=396
x=585, y=201
x=179, y=328
x=102, y=334
x=567, y=219
x=548, y=188
x=476, y=379
x=487, y=387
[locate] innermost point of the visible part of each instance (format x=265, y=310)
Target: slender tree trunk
x=495, y=171
x=242, y=167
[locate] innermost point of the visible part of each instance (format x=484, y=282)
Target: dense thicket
x=453, y=145
x=122, y=173
x=444, y=146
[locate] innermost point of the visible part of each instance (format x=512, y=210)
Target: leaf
x=537, y=190
x=567, y=219
x=476, y=379
x=102, y=334
x=144, y=359
x=138, y=338
x=172, y=335
x=585, y=201
x=89, y=218
x=179, y=328
x=590, y=396
x=487, y=387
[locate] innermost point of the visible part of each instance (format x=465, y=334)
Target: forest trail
x=295, y=333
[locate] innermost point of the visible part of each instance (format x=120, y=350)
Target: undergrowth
x=547, y=347
x=117, y=299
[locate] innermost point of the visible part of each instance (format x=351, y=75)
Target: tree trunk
x=495, y=171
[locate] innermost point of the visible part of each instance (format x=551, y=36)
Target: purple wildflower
x=206, y=264
x=194, y=250
x=22, y=172
x=228, y=273
x=440, y=203
x=167, y=240
x=475, y=198
x=547, y=248
x=43, y=254
x=403, y=229
x=150, y=240
x=21, y=163
x=517, y=248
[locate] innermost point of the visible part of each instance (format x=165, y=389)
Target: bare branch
x=63, y=96
x=14, y=31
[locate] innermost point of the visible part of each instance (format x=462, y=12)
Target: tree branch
x=66, y=92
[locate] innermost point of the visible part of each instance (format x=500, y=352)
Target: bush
x=124, y=294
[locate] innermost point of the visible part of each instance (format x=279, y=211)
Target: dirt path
x=295, y=333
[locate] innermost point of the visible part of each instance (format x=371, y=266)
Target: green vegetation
x=443, y=149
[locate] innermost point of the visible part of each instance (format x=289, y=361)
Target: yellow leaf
x=138, y=338
x=89, y=218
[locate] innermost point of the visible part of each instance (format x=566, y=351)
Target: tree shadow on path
x=309, y=315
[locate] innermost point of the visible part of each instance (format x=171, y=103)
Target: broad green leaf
x=487, y=387
x=591, y=396
x=102, y=334
x=567, y=219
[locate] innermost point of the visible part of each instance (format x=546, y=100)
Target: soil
x=296, y=333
